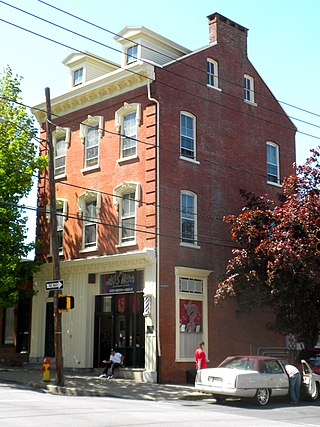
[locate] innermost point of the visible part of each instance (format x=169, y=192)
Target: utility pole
x=59, y=379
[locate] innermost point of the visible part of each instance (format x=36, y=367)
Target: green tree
x=18, y=164
x=276, y=263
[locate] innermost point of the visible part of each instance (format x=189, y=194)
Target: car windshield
x=238, y=364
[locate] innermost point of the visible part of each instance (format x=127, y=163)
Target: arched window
x=188, y=217
x=273, y=164
x=212, y=73
x=187, y=136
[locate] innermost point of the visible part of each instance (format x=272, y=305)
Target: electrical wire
x=95, y=221
x=141, y=75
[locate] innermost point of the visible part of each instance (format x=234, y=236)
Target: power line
x=141, y=75
x=160, y=53
x=95, y=221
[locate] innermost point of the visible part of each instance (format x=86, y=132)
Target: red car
x=312, y=357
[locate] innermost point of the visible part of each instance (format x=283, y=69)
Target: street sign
x=54, y=285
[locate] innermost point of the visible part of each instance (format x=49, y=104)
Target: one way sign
x=54, y=285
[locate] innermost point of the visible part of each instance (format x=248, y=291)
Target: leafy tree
x=18, y=163
x=276, y=263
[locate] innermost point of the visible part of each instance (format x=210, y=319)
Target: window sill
x=91, y=249
x=196, y=162
x=125, y=245
x=190, y=245
x=275, y=184
x=59, y=177
x=91, y=169
x=214, y=87
x=127, y=159
x=254, y=104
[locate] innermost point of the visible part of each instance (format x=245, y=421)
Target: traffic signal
x=65, y=303
x=317, y=223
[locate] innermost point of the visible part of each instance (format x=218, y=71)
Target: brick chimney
x=224, y=31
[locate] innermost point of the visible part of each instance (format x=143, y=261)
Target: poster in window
x=190, y=316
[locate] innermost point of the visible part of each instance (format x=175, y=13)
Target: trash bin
x=190, y=376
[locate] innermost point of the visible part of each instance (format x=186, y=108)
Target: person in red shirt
x=200, y=356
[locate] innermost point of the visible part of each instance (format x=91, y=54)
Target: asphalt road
x=20, y=406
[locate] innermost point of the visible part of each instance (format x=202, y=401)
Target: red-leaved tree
x=276, y=263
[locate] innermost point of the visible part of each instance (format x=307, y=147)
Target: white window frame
x=273, y=165
x=248, y=89
x=185, y=216
x=57, y=135
x=191, y=138
x=193, y=338
x=91, y=122
x=132, y=57
x=61, y=218
x=119, y=123
x=212, y=75
x=77, y=77
x=83, y=200
x=119, y=192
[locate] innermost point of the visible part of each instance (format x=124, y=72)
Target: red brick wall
x=231, y=148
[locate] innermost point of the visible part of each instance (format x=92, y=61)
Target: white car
x=256, y=377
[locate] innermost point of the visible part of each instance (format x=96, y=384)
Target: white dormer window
x=78, y=77
x=132, y=54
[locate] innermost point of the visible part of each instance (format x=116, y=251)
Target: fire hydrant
x=46, y=368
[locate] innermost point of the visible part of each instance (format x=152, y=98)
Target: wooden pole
x=59, y=378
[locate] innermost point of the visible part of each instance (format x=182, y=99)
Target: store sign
x=118, y=282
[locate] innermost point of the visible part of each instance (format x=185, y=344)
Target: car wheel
x=262, y=396
x=220, y=399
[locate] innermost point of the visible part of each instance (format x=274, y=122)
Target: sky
x=283, y=46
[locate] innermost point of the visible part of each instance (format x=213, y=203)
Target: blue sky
x=283, y=45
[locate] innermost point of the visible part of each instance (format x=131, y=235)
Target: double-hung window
x=129, y=135
x=61, y=140
x=127, y=121
x=188, y=218
x=248, y=88
x=132, y=54
x=126, y=199
x=212, y=73
x=91, y=131
x=92, y=146
x=128, y=217
x=187, y=136
x=78, y=77
x=89, y=205
x=273, y=169
x=90, y=223
x=61, y=210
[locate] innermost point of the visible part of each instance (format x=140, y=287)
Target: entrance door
x=120, y=324
x=49, y=338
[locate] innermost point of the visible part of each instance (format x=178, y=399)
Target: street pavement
x=79, y=383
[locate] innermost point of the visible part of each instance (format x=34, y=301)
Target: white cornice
x=97, y=90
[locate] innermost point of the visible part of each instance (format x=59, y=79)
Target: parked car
x=312, y=357
x=256, y=377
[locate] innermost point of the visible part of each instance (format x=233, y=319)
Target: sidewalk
x=89, y=384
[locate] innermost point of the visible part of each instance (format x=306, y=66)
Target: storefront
x=119, y=320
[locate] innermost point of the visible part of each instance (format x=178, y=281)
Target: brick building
x=149, y=157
